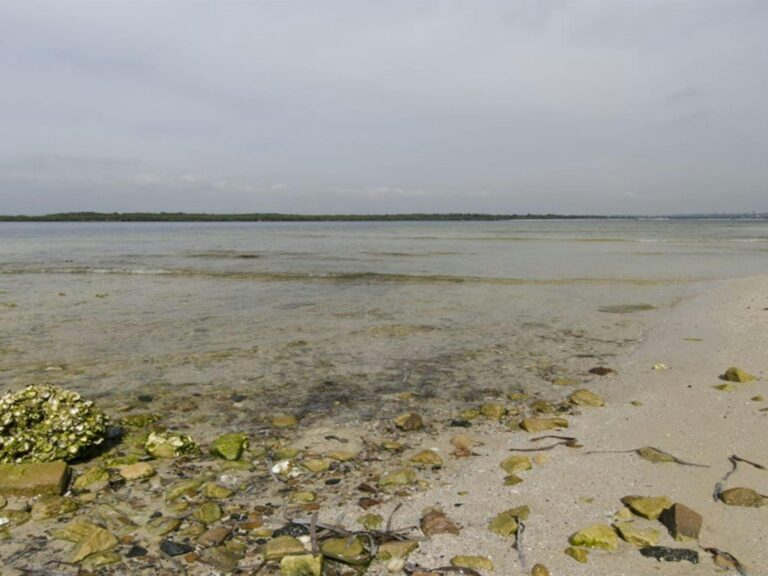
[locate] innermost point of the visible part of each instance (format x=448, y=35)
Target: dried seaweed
x=734, y=460
x=412, y=568
x=643, y=453
x=518, y=546
x=568, y=441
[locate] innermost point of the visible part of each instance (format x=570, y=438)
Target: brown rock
x=602, y=370
x=435, y=521
x=214, y=537
x=410, y=421
x=539, y=570
x=542, y=424
x=34, y=479
x=682, y=522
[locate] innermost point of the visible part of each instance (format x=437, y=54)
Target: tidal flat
x=311, y=340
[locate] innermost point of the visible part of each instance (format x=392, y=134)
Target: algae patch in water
x=46, y=423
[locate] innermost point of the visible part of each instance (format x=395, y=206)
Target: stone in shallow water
x=137, y=471
x=34, y=479
x=735, y=374
x=493, y=411
x=50, y=506
x=409, y=422
x=277, y=548
x=349, y=550
x=208, y=513
x=371, y=521
x=221, y=558
x=301, y=565
x=216, y=491
x=169, y=445
x=682, y=522
x=398, y=477
x=596, y=536
x=14, y=517
x=479, y=563
x=435, y=521
x=578, y=554
x=670, y=554
x=182, y=488
x=742, y=497
x=95, y=539
x=230, y=446
x=649, y=507
x=284, y=421
x=427, y=458
x=163, y=525
x=172, y=548
x=396, y=549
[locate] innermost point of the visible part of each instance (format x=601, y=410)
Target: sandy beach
x=681, y=413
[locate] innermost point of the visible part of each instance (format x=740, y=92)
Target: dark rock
x=460, y=424
x=175, y=548
x=135, y=551
x=145, y=397
x=670, y=554
x=294, y=530
x=601, y=370
x=682, y=522
x=332, y=481
x=238, y=397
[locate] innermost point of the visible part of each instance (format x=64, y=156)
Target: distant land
x=278, y=217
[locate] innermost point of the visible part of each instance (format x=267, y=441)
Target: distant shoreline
x=279, y=217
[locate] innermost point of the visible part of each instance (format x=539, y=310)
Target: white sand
x=681, y=413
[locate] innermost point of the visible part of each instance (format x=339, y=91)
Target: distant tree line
x=276, y=217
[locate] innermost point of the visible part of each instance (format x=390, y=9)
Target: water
x=330, y=320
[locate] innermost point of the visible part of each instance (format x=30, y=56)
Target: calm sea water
x=328, y=319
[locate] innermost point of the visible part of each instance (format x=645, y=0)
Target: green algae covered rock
x=170, y=445
x=46, y=423
x=301, y=565
x=596, y=536
x=735, y=374
x=230, y=446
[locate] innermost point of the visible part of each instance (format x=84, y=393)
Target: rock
x=208, y=513
x=493, y=411
x=727, y=387
x=216, y=491
x=539, y=570
x=578, y=554
x=14, y=517
x=317, y=465
x=504, y=524
x=427, y=458
x=284, y=421
x=139, y=420
x=301, y=565
x=221, y=558
x=34, y=479
x=3, y=502
x=303, y=497
x=95, y=539
x=136, y=551
x=637, y=536
x=649, y=507
x=230, y=446
x=512, y=480
x=542, y=407
x=515, y=464
x=101, y=559
x=50, y=506
x=163, y=525
x=398, y=477
x=46, y=423
x=463, y=445
x=596, y=536
x=169, y=445
x=371, y=521
x=93, y=479
x=542, y=424
x=182, y=488
x=409, y=422
x=742, y=497
x=734, y=374
x=396, y=549
x=478, y=563
x=172, y=548
x=670, y=554
x=214, y=536
x=435, y=521
x=682, y=522
x=342, y=455
x=75, y=531
x=602, y=370
x=137, y=471
x=584, y=397
x=277, y=548
x=349, y=550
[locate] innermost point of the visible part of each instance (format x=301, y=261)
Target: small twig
x=674, y=458
x=391, y=516
x=519, y=544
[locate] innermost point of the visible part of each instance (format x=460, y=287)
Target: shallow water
x=332, y=320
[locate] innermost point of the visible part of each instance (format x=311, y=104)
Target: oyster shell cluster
x=46, y=423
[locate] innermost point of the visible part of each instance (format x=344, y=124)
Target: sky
x=578, y=107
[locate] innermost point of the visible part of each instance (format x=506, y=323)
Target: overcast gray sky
x=642, y=107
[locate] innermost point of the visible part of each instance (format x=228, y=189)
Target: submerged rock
x=50, y=506
x=277, y=548
x=301, y=565
x=398, y=477
x=410, y=421
x=46, y=423
x=435, y=521
x=172, y=548
x=427, y=458
x=34, y=479
x=230, y=446
x=94, y=539
x=515, y=464
x=584, y=397
x=349, y=550
x=170, y=445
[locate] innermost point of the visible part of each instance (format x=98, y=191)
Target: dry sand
x=681, y=413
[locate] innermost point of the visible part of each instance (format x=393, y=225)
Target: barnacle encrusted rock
x=46, y=423
x=169, y=445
